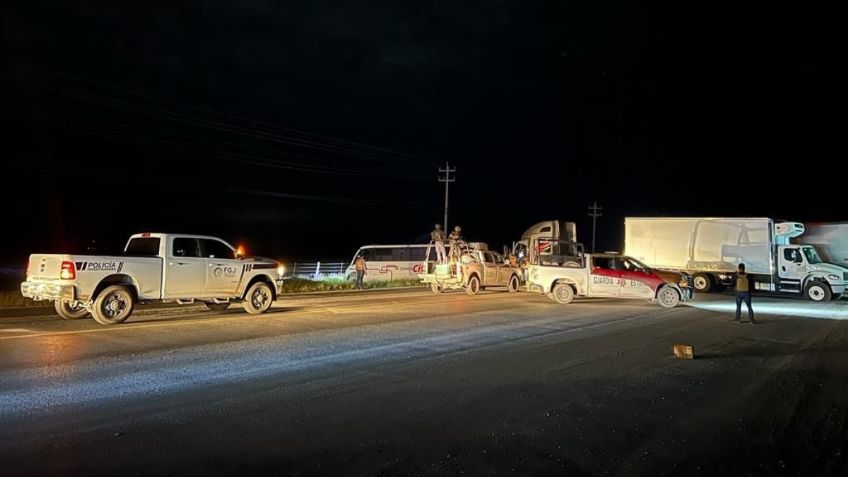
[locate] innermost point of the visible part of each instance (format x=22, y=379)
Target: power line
x=207, y=110
x=188, y=149
x=191, y=120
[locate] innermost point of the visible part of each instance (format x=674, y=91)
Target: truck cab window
x=143, y=247
x=216, y=249
x=186, y=247
x=812, y=256
x=792, y=255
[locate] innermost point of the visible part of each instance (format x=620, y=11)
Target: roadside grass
x=302, y=285
x=10, y=295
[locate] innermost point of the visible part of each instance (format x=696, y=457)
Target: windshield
x=635, y=262
x=812, y=255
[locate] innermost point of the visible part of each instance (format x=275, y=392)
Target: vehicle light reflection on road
x=837, y=310
x=58, y=348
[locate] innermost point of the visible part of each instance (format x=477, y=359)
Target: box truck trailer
x=711, y=249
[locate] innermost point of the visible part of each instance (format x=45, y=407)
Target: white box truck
x=710, y=248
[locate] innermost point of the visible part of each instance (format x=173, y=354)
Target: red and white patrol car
x=607, y=275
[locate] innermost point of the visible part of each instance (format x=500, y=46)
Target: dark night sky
x=191, y=117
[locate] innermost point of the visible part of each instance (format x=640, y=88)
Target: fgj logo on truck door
x=224, y=272
x=101, y=266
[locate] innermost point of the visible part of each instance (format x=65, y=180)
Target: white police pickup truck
x=154, y=267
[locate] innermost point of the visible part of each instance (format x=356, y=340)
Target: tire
x=258, y=298
x=216, y=306
x=668, y=297
x=68, y=312
x=113, y=305
x=514, y=284
x=703, y=283
x=563, y=293
x=817, y=291
x=435, y=288
x=473, y=286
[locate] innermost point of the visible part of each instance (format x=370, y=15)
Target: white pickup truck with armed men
x=155, y=267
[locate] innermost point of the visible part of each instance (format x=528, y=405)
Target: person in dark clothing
x=744, y=286
x=360, y=266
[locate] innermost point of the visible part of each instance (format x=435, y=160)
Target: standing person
x=360, y=266
x=438, y=237
x=456, y=242
x=744, y=286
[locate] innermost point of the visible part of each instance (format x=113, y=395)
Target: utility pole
x=447, y=179
x=595, y=208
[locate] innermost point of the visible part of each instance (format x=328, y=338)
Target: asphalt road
x=413, y=383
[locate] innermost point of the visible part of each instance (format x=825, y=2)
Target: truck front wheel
x=70, y=311
x=113, y=305
x=668, y=297
x=817, y=291
x=259, y=298
x=563, y=293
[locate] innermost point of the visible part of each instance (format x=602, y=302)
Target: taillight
x=69, y=270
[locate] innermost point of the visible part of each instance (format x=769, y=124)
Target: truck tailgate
x=45, y=266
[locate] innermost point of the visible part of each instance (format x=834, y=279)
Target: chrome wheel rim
x=114, y=305
x=260, y=297
x=816, y=293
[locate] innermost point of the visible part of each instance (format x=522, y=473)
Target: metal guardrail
x=317, y=270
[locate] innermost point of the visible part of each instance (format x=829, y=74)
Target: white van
x=390, y=262
x=395, y=262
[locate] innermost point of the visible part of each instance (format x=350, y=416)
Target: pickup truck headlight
x=281, y=270
x=833, y=277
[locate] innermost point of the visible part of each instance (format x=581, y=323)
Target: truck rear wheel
x=704, y=283
x=668, y=297
x=514, y=284
x=473, y=286
x=259, y=298
x=113, y=305
x=70, y=311
x=563, y=293
x=817, y=291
